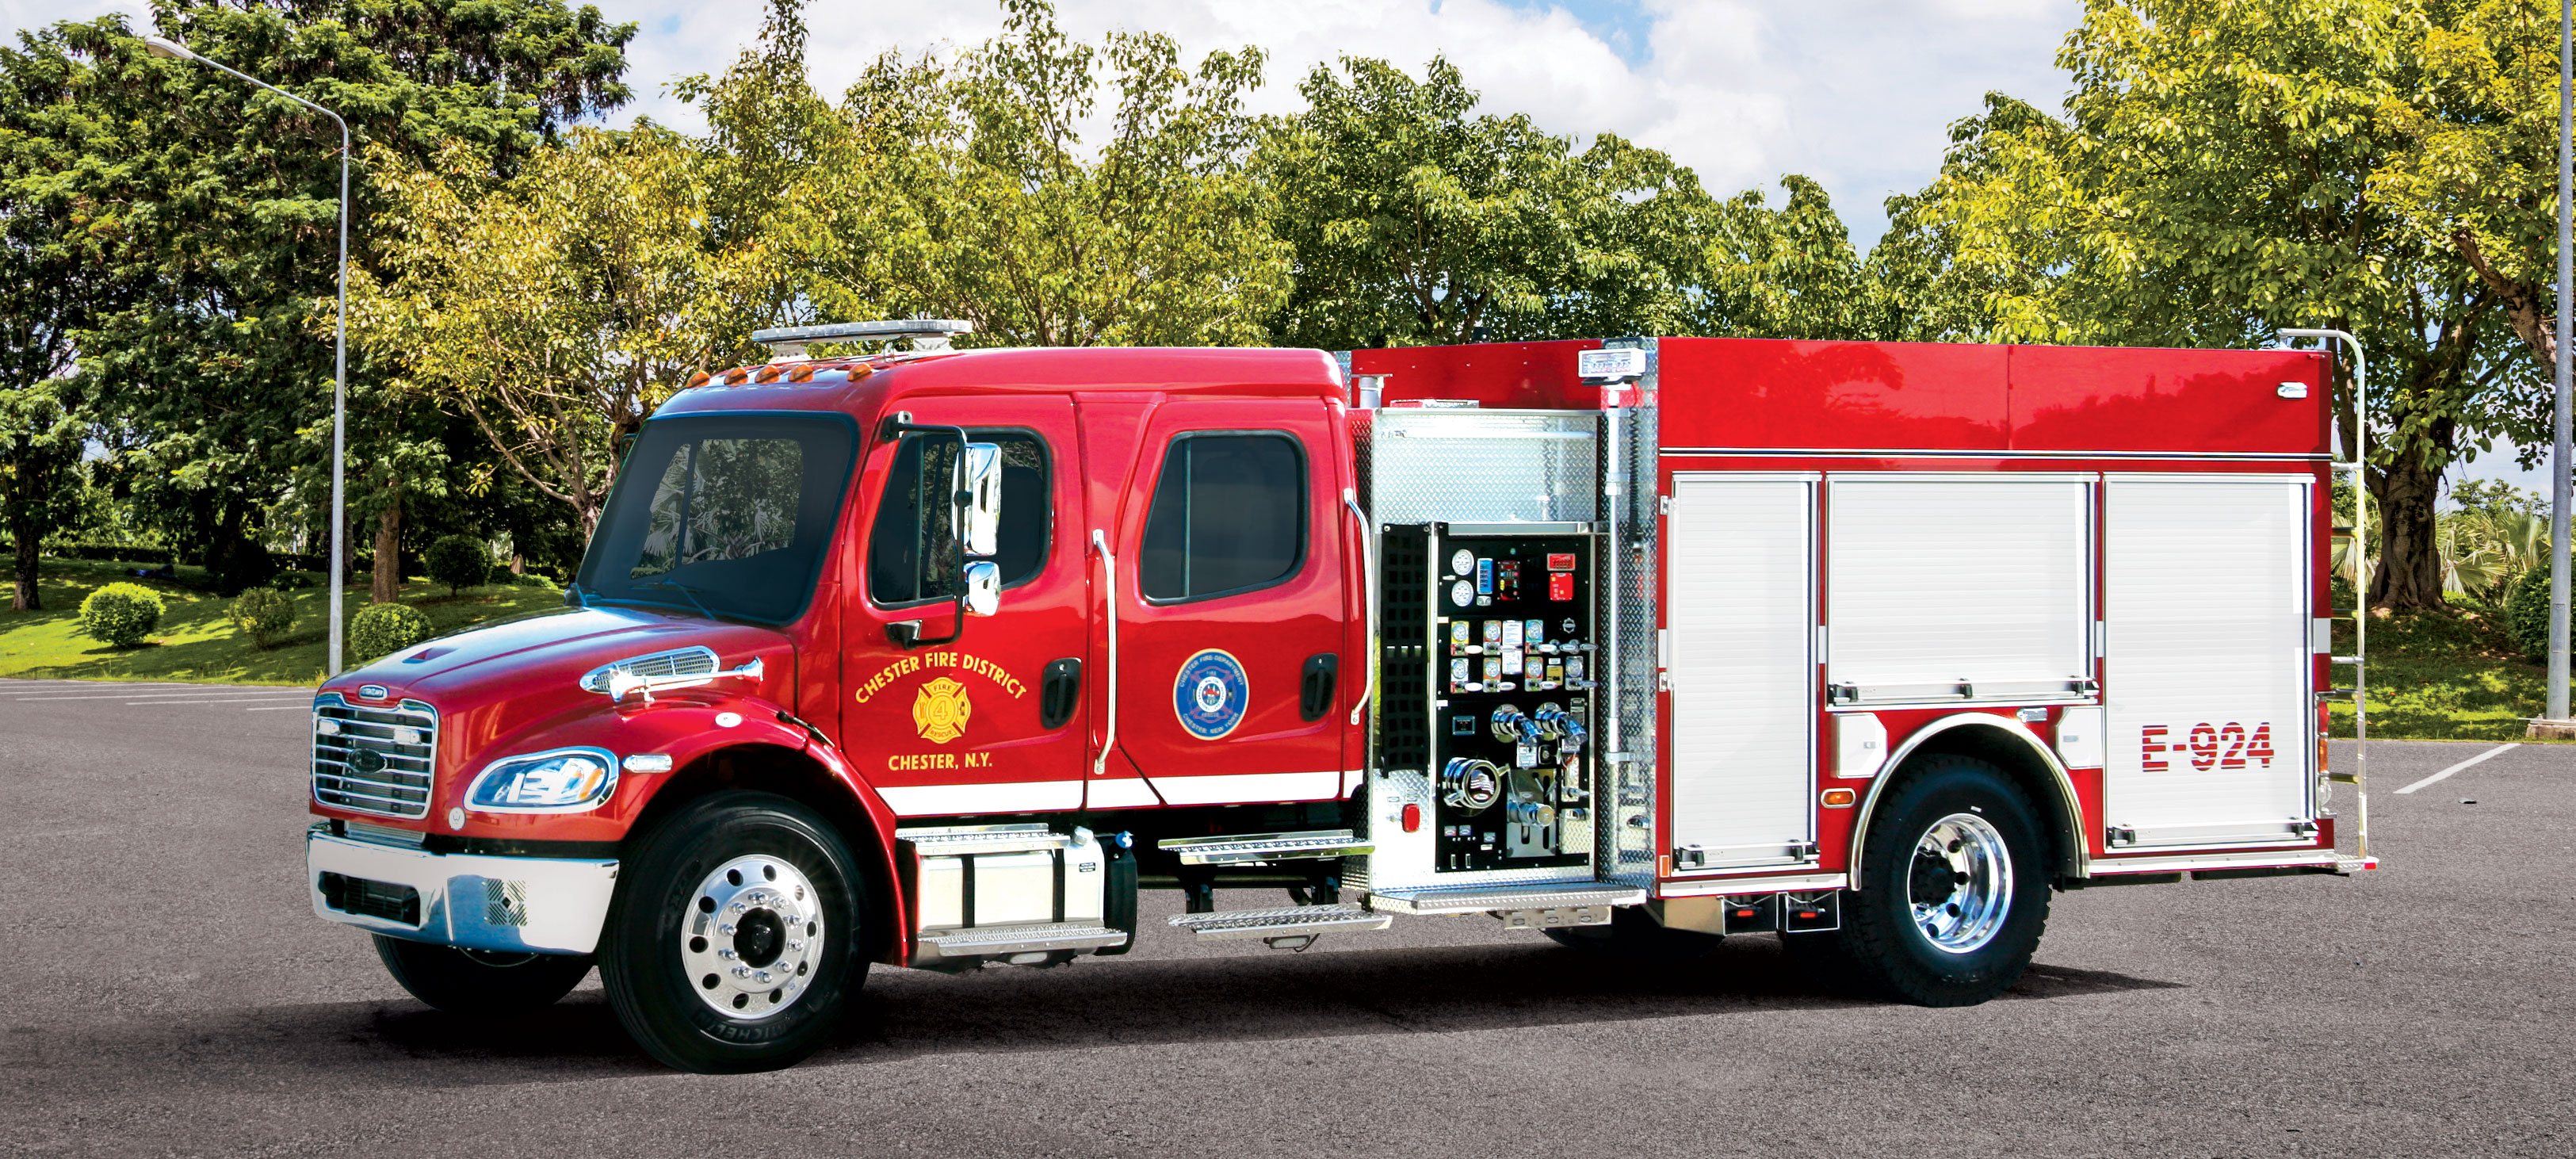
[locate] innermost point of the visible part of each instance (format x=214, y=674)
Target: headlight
x=562, y=781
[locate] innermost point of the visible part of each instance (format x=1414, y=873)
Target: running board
x=1002, y=941
x=1500, y=898
x=1253, y=848
x=1274, y=923
x=2322, y=861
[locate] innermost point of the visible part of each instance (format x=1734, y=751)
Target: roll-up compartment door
x=2206, y=676
x=1946, y=589
x=1740, y=606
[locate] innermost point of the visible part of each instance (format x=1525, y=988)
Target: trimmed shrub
x=459, y=561
x=536, y=580
x=263, y=614
x=383, y=629
x=2526, y=612
x=292, y=581
x=121, y=615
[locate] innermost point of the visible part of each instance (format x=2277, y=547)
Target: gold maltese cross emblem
x=940, y=711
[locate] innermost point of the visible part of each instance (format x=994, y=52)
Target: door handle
x=1368, y=605
x=1315, y=687
x=1109, y=604
x=1059, y=692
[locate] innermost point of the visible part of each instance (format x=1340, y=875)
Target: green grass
x=2443, y=675
x=197, y=643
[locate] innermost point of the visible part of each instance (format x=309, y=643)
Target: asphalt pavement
x=165, y=989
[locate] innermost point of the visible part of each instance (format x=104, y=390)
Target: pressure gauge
x=1463, y=593
x=1463, y=563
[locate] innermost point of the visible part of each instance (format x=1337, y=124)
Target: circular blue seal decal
x=1210, y=694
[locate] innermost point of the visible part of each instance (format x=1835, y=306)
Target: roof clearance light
x=927, y=334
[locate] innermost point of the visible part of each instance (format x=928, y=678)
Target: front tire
x=730, y=944
x=480, y=983
x=1953, y=893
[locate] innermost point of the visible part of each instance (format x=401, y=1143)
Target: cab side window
x=1229, y=515
x=912, y=549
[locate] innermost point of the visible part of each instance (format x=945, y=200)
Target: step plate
x=1271, y=923
x=1486, y=899
x=1018, y=940
x=1249, y=848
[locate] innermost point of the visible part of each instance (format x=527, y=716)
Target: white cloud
x=1856, y=93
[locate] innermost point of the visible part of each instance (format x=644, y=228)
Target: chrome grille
x=377, y=760
x=691, y=661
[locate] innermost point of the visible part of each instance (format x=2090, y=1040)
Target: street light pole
x=2558, y=465
x=173, y=50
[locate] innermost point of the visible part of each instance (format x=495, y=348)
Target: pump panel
x=1513, y=667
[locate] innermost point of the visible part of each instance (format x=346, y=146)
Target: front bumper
x=545, y=905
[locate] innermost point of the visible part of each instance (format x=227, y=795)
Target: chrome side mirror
x=979, y=496
x=983, y=595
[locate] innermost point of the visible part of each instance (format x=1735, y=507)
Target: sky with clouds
x=1858, y=94
x=1855, y=93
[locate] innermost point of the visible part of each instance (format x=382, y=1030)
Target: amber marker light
x=1840, y=798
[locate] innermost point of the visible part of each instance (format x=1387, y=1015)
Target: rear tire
x=480, y=983
x=730, y=944
x=1953, y=892
x=1634, y=935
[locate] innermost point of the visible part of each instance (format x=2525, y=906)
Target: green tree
x=558, y=308
x=220, y=211
x=52, y=286
x=2222, y=172
x=966, y=190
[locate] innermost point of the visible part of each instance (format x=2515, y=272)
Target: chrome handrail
x=1109, y=726
x=1368, y=606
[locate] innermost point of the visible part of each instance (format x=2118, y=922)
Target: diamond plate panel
x=1481, y=466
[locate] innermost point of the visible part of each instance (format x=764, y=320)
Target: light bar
x=926, y=334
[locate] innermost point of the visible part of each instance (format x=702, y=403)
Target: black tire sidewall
x=449, y=980
x=1881, y=936
x=656, y=893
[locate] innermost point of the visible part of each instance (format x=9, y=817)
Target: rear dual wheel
x=1953, y=891
x=731, y=944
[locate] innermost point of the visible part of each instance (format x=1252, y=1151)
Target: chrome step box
x=997, y=890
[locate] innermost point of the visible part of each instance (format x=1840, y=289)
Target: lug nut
x=725, y=928
x=726, y=953
x=742, y=971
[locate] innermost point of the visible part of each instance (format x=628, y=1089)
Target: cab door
x=993, y=720
x=1232, y=605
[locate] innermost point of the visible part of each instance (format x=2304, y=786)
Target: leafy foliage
x=121, y=615
x=383, y=629
x=2224, y=169
x=459, y=561
x=263, y=614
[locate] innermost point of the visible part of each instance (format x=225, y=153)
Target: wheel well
x=799, y=778
x=2027, y=768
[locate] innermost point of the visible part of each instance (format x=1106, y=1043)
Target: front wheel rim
x=1959, y=886
x=752, y=941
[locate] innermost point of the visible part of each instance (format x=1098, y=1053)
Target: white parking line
x=225, y=699
x=2456, y=768
x=277, y=708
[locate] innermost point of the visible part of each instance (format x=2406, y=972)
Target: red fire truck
x=937, y=658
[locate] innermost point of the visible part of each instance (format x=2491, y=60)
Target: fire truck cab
x=938, y=658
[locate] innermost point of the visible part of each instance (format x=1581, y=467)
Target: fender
x=2069, y=812
x=690, y=730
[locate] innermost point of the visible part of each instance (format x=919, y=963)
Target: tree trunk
x=24, y=597
x=2409, y=573
x=389, y=553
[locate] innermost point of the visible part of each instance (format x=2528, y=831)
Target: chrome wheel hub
x=1960, y=884
x=753, y=937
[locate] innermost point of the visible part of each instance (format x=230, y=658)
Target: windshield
x=725, y=514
